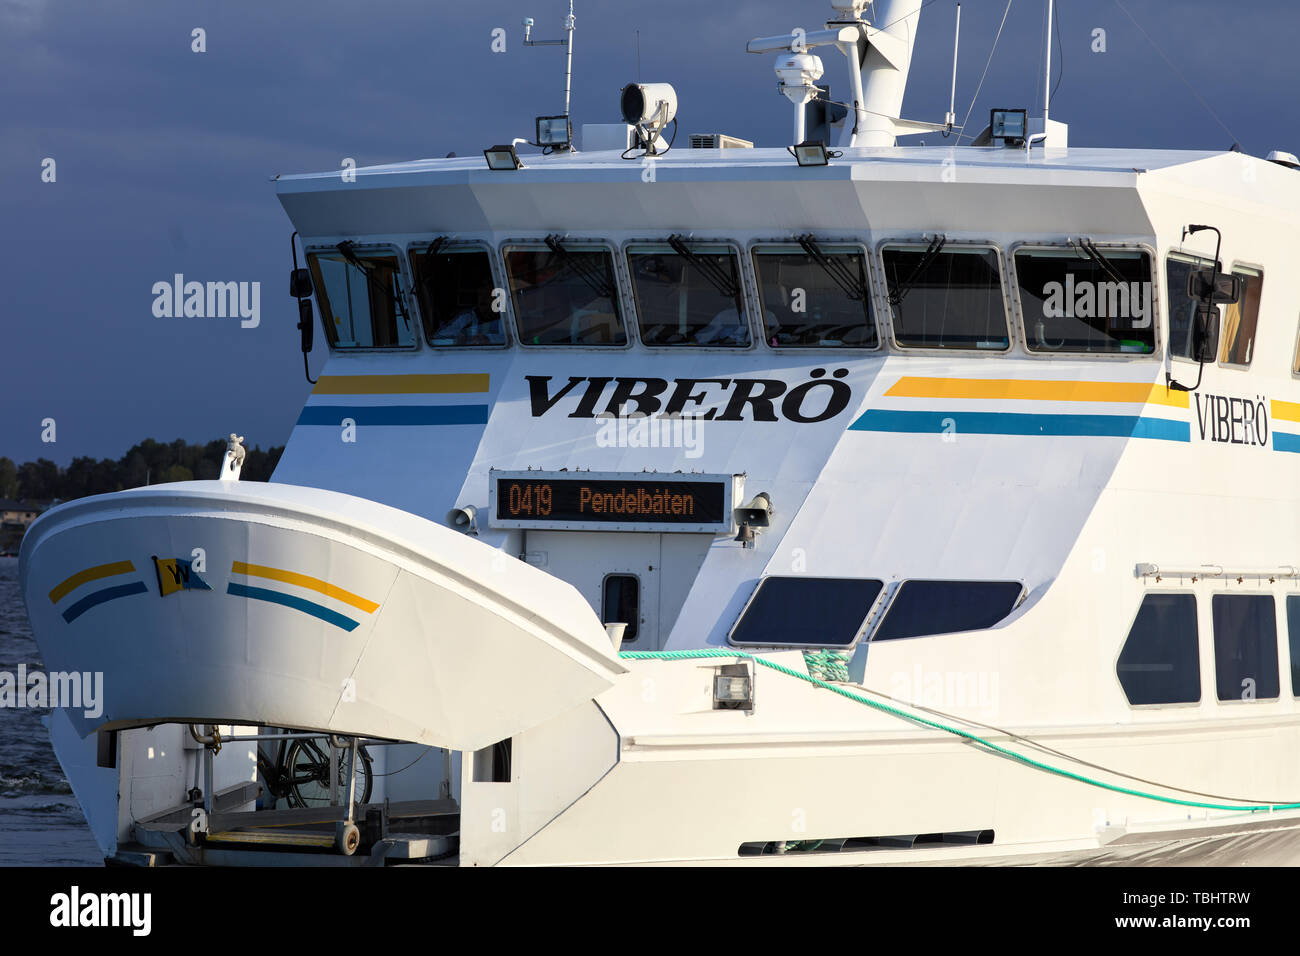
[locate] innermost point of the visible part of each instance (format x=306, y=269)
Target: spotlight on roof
x=649, y=107
x=812, y=152
x=502, y=157
x=1008, y=127
x=555, y=132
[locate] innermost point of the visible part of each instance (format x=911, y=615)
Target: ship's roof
x=992, y=163
x=740, y=191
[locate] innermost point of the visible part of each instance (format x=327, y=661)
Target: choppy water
x=40, y=822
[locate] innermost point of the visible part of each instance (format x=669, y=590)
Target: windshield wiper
x=1090, y=250
x=712, y=272
x=899, y=293
x=420, y=275
x=347, y=250
x=852, y=285
x=588, y=274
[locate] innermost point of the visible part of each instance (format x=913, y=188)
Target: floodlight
x=554, y=131
x=1008, y=127
x=502, y=157
x=812, y=152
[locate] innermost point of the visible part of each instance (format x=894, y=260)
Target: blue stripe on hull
x=1284, y=441
x=100, y=597
x=296, y=603
x=394, y=415
x=1020, y=423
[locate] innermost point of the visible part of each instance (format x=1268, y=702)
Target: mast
x=884, y=70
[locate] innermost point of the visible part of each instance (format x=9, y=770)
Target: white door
x=617, y=572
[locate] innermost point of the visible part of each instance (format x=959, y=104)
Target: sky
x=163, y=156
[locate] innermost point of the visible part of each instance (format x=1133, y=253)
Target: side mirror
x=300, y=283
x=1226, y=289
x=306, y=323
x=1206, y=332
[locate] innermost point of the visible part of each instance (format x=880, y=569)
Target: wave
x=35, y=782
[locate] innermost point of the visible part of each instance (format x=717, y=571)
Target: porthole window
x=621, y=604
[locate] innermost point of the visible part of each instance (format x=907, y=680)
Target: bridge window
x=944, y=607
x=946, y=297
x=1241, y=320
x=360, y=299
x=806, y=612
x=1160, y=660
x=565, y=294
x=1086, y=299
x=815, y=297
x=621, y=604
x=459, y=303
x=689, y=294
x=1183, y=309
x=1245, y=646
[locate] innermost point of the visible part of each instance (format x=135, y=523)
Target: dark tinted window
x=621, y=604
x=1071, y=303
x=458, y=300
x=943, y=607
x=821, y=612
x=565, y=295
x=1159, y=663
x=1293, y=635
x=814, y=302
x=689, y=301
x=361, y=307
x=952, y=300
x=1182, y=312
x=1245, y=646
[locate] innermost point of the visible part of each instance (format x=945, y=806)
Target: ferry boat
x=675, y=500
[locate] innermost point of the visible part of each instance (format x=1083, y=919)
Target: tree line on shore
x=147, y=463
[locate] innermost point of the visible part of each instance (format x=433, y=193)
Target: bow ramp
x=249, y=603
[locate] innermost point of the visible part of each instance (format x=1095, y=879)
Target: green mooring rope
x=955, y=731
x=827, y=665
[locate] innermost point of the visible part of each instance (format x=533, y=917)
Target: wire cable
x=1060, y=52
x=975, y=98
x=1177, y=72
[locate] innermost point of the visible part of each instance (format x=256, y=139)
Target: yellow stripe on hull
x=1037, y=390
x=90, y=574
x=1287, y=411
x=305, y=581
x=444, y=384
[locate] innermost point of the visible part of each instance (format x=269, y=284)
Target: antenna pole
x=568, y=69
x=1047, y=69
x=567, y=43
x=951, y=118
